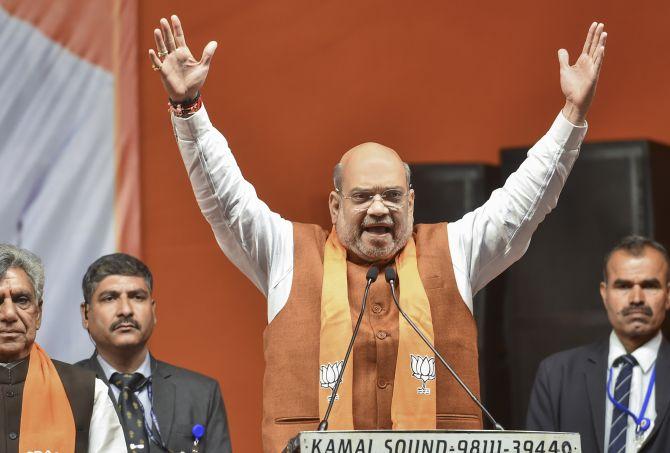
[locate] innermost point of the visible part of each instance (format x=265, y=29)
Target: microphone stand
x=391, y=278
x=293, y=445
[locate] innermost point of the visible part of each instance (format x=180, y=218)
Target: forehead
x=375, y=167
x=649, y=264
x=121, y=283
x=16, y=279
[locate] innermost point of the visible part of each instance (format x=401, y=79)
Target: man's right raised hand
x=181, y=74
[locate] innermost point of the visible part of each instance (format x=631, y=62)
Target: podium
x=438, y=441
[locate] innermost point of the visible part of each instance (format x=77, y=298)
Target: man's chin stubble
x=378, y=254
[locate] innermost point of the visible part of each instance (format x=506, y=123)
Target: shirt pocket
x=298, y=420
x=458, y=421
x=182, y=438
x=433, y=282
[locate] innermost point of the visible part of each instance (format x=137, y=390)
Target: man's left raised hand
x=579, y=81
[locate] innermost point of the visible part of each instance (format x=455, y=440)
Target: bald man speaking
x=314, y=279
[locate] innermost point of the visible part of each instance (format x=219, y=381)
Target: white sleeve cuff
x=188, y=129
x=565, y=134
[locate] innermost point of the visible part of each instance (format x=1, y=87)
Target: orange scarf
x=47, y=422
x=414, y=403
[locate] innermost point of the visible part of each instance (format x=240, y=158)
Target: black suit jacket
x=569, y=395
x=182, y=398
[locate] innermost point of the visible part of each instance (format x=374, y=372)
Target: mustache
x=644, y=309
x=126, y=320
x=384, y=221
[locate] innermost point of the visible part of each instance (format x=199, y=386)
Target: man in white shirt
x=312, y=278
x=615, y=393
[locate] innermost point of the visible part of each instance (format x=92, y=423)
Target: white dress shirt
x=639, y=383
x=105, y=434
x=142, y=395
x=483, y=243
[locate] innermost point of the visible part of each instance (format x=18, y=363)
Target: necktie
x=130, y=408
x=621, y=393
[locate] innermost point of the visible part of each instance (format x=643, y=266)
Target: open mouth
x=378, y=230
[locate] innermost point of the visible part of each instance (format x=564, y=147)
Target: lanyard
x=642, y=423
x=153, y=437
x=154, y=421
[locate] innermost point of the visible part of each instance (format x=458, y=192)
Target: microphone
x=293, y=445
x=392, y=278
x=371, y=276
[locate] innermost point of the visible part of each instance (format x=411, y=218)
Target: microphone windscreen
x=390, y=274
x=372, y=274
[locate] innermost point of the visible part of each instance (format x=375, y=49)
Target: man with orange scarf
x=314, y=279
x=45, y=405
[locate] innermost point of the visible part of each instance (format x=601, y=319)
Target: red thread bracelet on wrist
x=187, y=107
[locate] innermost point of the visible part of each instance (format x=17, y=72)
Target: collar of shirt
x=645, y=354
x=144, y=368
x=10, y=365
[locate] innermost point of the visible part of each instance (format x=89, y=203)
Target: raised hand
x=579, y=81
x=182, y=75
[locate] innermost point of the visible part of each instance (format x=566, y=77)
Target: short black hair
x=635, y=245
x=114, y=264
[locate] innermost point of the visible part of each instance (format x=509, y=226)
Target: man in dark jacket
x=616, y=392
x=163, y=407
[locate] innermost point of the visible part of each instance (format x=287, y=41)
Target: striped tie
x=621, y=394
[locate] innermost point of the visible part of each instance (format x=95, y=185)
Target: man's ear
x=153, y=310
x=38, y=322
x=334, y=206
x=603, y=293
x=83, y=309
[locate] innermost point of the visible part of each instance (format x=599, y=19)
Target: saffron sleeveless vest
x=291, y=342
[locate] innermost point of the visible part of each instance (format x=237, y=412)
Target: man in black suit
x=616, y=393
x=162, y=407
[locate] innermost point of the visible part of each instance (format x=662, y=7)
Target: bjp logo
x=329, y=374
x=423, y=368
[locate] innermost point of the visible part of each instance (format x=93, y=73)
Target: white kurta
x=482, y=244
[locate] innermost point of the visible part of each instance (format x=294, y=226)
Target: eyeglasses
x=391, y=198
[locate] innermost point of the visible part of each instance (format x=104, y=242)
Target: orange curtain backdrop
x=294, y=84
x=125, y=67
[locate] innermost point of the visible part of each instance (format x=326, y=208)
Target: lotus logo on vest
x=423, y=368
x=329, y=374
